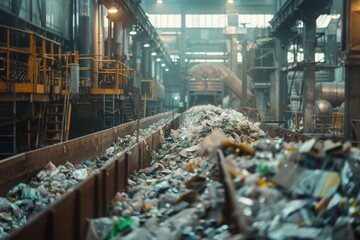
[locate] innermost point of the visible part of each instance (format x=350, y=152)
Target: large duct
x=323, y=108
x=203, y=71
x=334, y=92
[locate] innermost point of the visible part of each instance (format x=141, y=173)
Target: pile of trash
x=284, y=190
x=24, y=201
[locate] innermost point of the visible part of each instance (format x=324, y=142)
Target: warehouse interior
x=73, y=70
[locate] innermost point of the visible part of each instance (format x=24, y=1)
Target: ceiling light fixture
x=132, y=31
x=158, y=59
x=153, y=54
x=230, y=1
x=163, y=65
x=146, y=45
x=166, y=69
x=334, y=15
x=112, y=10
x=159, y=1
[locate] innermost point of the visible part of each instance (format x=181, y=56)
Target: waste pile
x=24, y=201
x=283, y=190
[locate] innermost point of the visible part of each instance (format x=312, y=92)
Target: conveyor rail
x=67, y=217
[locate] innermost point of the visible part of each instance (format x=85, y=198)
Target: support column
x=138, y=55
x=101, y=38
x=233, y=54
x=244, y=74
x=95, y=45
x=146, y=63
x=331, y=48
x=161, y=75
x=309, y=71
x=153, y=67
x=183, y=54
x=157, y=71
x=282, y=93
x=351, y=49
x=126, y=40
x=108, y=43
x=118, y=36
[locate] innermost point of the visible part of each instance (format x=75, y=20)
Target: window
x=323, y=20
x=255, y=20
x=165, y=20
x=206, y=21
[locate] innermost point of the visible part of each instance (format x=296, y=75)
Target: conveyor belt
x=67, y=218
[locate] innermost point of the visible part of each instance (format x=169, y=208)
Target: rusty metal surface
x=122, y=175
x=63, y=217
x=22, y=167
x=133, y=159
x=146, y=148
x=156, y=140
x=86, y=205
x=39, y=228
x=108, y=185
x=12, y=171
x=286, y=134
x=67, y=218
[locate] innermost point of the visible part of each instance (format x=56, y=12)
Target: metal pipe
x=334, y=92
x=109, y=40
x=146, y=58
x=101, y=39
x=95, y=46
x=138, y=55
x=85, y=29
x=157, y=71
x=118, y=36
x=220, y=71
x=244, y=73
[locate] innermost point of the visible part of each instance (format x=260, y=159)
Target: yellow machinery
x=108, y=84
x=38, y=66
x=34, y=68
x=35, y=91
x=108, y=76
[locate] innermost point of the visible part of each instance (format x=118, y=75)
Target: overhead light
x=158, y=59
x=132, y=31
x=230, y=1
x=112, y=10
x=166, y=69
x=146, y=45
x=153, y=54
x=163, y=65
x=334, y=15
x=159, y=1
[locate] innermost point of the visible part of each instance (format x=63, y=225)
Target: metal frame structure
x=36, y=63
x=113, y=76
x=351, y=52
x=283, y=24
